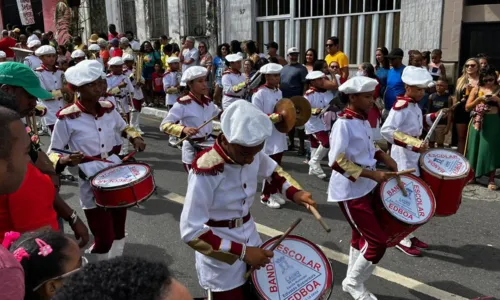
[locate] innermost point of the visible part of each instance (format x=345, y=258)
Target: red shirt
x=5, y=43
x=157, y=82
x=31, y=207
x=117, y=52
x=112, y=36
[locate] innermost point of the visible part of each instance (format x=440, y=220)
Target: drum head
x=120, y=175
x=298, y=270
x=445, y=163
x=417, y=208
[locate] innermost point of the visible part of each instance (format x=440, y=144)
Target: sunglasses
x=488, y=80
x=329, y=45
x=335, y=67
x=65, y=275
x=471, y=66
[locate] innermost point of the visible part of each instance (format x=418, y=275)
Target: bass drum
x=298, y=270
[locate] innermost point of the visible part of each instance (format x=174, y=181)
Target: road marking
x=388, y=275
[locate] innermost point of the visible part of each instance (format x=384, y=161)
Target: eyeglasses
x=471, y=66
x=335, y=67
x=201, y=46
x=65, y=275
x=488, y=80
x=329, y=45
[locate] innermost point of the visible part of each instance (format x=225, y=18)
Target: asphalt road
x=464, y=259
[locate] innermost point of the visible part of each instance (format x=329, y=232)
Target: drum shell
x=124, y=196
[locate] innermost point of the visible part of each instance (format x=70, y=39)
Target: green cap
x=17, y=74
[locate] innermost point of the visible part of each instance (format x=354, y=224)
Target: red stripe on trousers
x=268, y=188
x=137, y=104
x=106, y=225
x=319, y=138
x=360, y=213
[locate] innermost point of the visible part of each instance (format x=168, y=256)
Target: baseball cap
x=17, y=74
x=272, y=45
x=292, y=50
x=395, y=53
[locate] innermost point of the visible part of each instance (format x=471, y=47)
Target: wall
x=176, y=20
x=237, y=21
x=141, y=19
x=113, y=14
x=49, y=7
x=452, y=29
x=481, y=13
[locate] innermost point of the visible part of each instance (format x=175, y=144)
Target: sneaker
x=319, y=173
x=271, y=203
x=418, y=243
x=410, y=251
x=279, y=199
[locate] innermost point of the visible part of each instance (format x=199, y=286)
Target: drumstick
x=129, y=156
x=433, y=127
x=85, y=157
x=201, y=126
x=404, y=172
x=316, y=214
x=402, y=186
x=277, y=243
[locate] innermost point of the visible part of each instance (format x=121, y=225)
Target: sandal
x=492, y=186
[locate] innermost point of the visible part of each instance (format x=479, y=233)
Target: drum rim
x=425, y=186
x=149, y=173
x=443, y=177
x=128, y=205
x=330, y=279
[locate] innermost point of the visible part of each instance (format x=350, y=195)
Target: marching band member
x=171, y=87
x=402, y=129
x=233, y=81
x=122, y=89
x=94, y=50
x=265, y=99
x=189, y=112
x=78, y=56
x=3, y=57
x=217, y=224
x=90, y=126
x=353, y=157
x=32, y=60
x=315, y=126
x=129, y=72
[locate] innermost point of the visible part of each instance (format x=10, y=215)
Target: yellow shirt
x=338, y=57
x=164, y=61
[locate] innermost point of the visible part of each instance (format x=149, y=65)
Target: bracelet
x=73, y=218
x=243, y=252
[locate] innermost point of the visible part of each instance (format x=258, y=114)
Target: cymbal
x=286, y=109
x=302, y=109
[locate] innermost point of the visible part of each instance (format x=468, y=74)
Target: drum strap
x=233, y=223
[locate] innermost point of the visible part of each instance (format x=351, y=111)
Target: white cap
x=84, y=72
x=77, y=54
x=233, y=57
x=127, y=57
x=315, y=75
x=115, y=61
x=193, y=73
x=2, y=54
x=292, y=50
x=418, y=77
x=244, y=124
x=94, y=47
x=34, y=43
x=172, y=60
x=271, y=68
x=358, y=84
x=124, y=40
x=44, y=50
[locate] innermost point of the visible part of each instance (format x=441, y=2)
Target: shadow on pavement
x=454, y=288
x=148, y=251
x=473, y=256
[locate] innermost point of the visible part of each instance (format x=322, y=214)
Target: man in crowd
x=125, y=46
x=113, y=34
x=272, y=51
x=5, y=43
x=79, y=45
x=293, y=79
x=395, y=85
x=334, y=54
x=189, y=54
x=134, y=44
x=23, y=42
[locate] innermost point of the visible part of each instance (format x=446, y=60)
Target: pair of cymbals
x=295, y=111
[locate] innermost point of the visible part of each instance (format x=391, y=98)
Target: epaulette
x=310, y=91
x=208, y=162
x=345, y=116
x=39, y=69
x=184, y=100
x=107, y=105
x=72, y=112
x=109, y=75
x=400, y=104
x=166, y=73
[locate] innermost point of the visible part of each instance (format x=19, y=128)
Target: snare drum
x=203, y=145
x=298, y=270
x=399, y=215
x=123, y=185
x=446, y=172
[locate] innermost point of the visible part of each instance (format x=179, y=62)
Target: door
x=480, y=38
x=10, y=14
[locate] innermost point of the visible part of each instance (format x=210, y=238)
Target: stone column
x=143, y=23
x=114, y=14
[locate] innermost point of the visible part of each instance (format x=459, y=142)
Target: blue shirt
x=220, y=66
x=395, y=86
x=382, y=79
x=293, y=78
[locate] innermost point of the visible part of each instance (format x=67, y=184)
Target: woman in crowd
x=382, y=68
x=251, y=51
x=219, y=68
x=248, y=68
x=461, y=117
x=103, y=52
x=63, y=53
x=150, y=59
x=176, y=49
x=482, y=139
x=235, y=47
x=47, y=257
x=206, y=62
x=310, y=58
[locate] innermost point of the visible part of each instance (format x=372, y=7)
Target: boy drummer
x=353, y=157
x=265, y=99
x=218, y=224
x=402, y=128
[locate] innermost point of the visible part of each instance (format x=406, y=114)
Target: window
x=159, y=18
x=314, y=8
x=128, y=16
x=267, y=8
x=196, y=17
x=98, y=19
x=481, y=2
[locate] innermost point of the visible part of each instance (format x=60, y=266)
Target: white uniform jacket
x=352, y=149
x=219, y=189
x=265, y=99
x=171, y=87
x=121, y=94
x=318, y=100
x=138, y=94
x=91, y=135
x=189, y=112
x=403, y=128
x=32, y=61
x=233, y=84
x=52, y=82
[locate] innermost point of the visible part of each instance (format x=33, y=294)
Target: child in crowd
x=437, y=101
x=436, y=67
x=158, y=93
